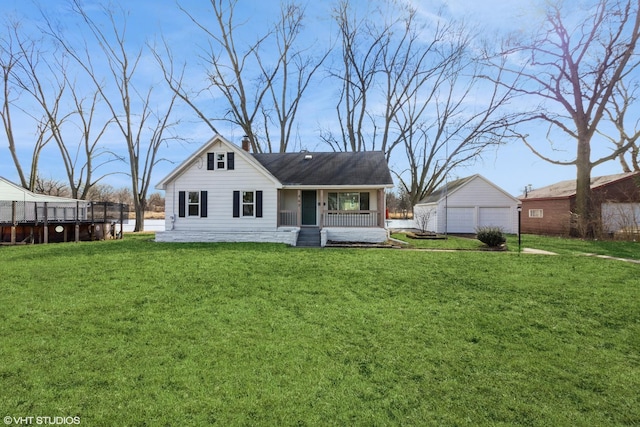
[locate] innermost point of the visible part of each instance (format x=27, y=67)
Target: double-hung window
x=248, y=203
x=192, y=203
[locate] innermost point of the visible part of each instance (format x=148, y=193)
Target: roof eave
x=334, y=186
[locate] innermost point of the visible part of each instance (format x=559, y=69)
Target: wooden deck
x=45, y=222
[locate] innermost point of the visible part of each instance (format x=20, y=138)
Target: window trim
x=185, y=204
x=533, y=213
x=218, y=162
x=252, y=204
x=238, y=204
x=359, y=201
x=227, y=162
x=190, y=204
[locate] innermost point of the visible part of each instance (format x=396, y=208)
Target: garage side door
x=461, y=220
x=495, y=217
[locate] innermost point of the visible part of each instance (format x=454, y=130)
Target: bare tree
x=573, y=71
x=51, y=187
x=14, y=51
x=460, y=129
x=360, y=63
x=626, y=138
x=143, y=128
x=288, y=79
x=48, y=81
x=81, y=173
x=262, y=96
x=413, y=85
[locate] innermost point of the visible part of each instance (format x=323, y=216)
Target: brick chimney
x=246, y=145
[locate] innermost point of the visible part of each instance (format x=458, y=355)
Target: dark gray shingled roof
x=361, y=168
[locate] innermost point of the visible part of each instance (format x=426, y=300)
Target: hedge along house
x=27, y=217
x=224, y=193
x=615, y=199
x=463, y=205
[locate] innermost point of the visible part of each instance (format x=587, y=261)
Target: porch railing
x=336, y=219
x=288, y=219
x=350, y=219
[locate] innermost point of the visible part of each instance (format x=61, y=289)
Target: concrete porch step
x=309, y=237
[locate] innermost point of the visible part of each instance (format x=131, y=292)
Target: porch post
x=278, y=195
x=77, y=225
x=321, y=201
x=299, y=209
x=381, y=207
x=14, y=222
x=122, y=220
x=46, y=223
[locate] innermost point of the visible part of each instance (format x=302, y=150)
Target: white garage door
x=495, y=217
x=461, y=220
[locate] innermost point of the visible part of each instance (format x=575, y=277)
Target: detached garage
x=463, y=205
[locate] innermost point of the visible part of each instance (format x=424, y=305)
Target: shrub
x=491, y=236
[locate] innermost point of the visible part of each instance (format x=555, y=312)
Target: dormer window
x=220, y=161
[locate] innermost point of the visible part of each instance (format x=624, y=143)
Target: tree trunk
x=139, y=207
x=583, y=225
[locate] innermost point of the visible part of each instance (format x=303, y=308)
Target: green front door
x=309, y=208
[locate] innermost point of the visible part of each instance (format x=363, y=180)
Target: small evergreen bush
x=491, y=236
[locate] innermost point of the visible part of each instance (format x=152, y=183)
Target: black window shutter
x=236, y=204
x=181, y=204
x=203, y=204
x=258, y=204
x=211, y=161
x=230, y=161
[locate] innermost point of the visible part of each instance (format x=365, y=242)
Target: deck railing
x=20, y=212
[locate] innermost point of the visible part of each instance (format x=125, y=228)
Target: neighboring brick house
x=616, y=199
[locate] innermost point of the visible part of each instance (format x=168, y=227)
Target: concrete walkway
x=541, y=252
x=537, y=251
x=633, y=261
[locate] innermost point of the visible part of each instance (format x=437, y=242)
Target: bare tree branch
x=577, y=71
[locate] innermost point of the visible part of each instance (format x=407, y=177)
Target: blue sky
x=511, y=167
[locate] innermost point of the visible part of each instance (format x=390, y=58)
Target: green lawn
x=138, y=333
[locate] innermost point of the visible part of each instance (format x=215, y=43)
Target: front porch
x=328, y=208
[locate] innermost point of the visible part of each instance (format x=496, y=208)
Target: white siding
x=220, y=185
x=479, y=192
x=426, y=216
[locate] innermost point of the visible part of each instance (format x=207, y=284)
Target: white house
x=224, y=193
x=463, y=205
